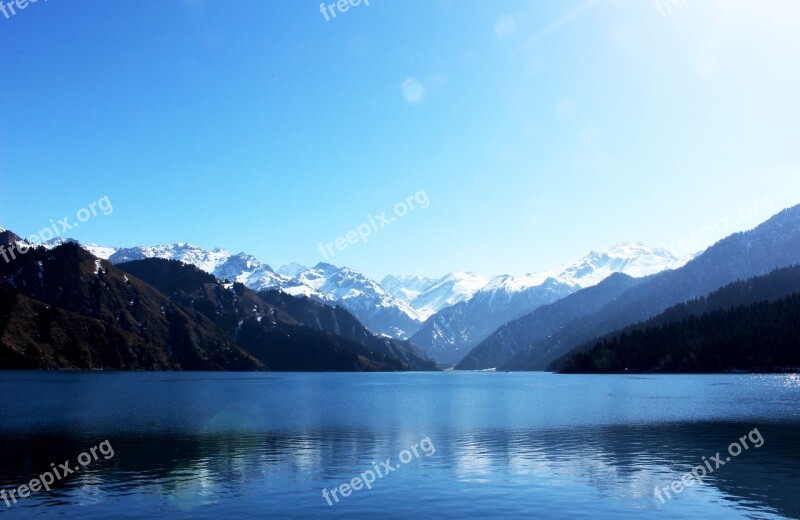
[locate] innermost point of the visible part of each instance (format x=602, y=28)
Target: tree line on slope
x=760, y=336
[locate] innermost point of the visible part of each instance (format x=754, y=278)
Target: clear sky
x=538, y=130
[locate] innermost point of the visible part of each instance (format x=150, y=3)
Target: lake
x=459, y=445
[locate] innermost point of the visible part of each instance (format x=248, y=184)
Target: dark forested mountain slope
x=732, y=328
x=772, y=245
x=760, y=336
x=64, y=308
x=512, y=338
x=339, y=321
x=452, y=333
x=286, y=332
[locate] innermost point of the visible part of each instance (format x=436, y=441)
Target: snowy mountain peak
x=55, y=242
x=389, y=282
x=452, y=332
x=514, y=284
x=428, y=296
x=250, y=271
x=398, y=306
x=325, y=267
x=632, y=258
x=100, y=251
x=376, y=308
x=635, y=259
x=242, y=267
x=291, y=270
x=632, y=250
x=184, y=252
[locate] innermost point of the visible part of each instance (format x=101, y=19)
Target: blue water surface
x=462, y=445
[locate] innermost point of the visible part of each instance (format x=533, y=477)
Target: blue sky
x=538, y=130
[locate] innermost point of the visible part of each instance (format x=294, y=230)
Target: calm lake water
x=489, y=445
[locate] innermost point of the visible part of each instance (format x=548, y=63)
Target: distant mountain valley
x=70, y=305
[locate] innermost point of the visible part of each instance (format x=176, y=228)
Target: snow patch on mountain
x=406, y=288
x=400, y=304
x=100, y=251
x=250, y=271
x=632, y=258
x=291, y=270
x=452, y=332
x=376, y=308
x=428, y=296
x=203, y=259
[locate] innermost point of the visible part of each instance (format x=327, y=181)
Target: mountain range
x=64, y=308
x=427, y=296
x=752, y=324
x=438, y=314
x=772, y=245
x=461, y=319
x=449, y=335
x=381, y=312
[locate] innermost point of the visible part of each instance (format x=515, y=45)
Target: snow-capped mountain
x=428, y=296
x=242, y=267
x=463, y=307
x=632, y=258
x=291, y=270
x=203, y=259
x=100, y=251
x=377, y=309
x=772, y=245
x=451, y=333
x=406, y=288
x=250, y=271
